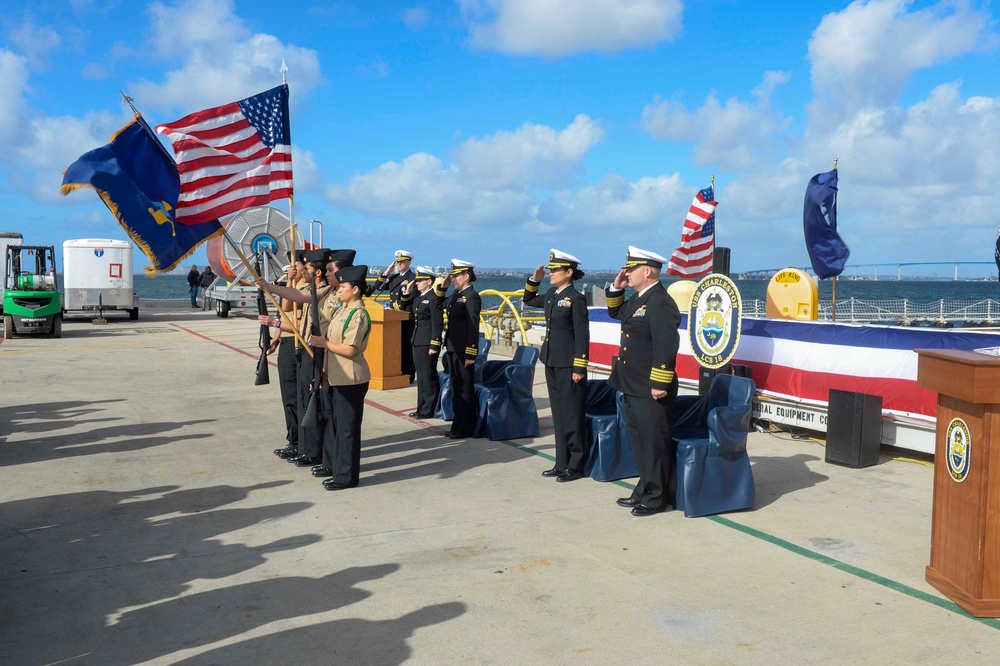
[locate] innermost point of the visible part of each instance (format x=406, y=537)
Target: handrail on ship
x=505, y=302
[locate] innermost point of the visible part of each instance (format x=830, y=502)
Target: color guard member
x=564, y=354
x=346, y=379
x=644, y=373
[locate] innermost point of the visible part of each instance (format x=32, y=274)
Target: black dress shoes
x=643, y=510
x=417, y=415
x=569, y=475
x=320, y=472
x=286, y=453
x=303, y=461
x=627, y=501
x=455, y=435
x=330, y=484
x=552, y=472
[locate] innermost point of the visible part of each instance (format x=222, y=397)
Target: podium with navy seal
x=965, y=519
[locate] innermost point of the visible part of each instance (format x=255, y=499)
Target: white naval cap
x=426, y=273
x=459, y=266
x=404, y=255
x=559, y=259
x=637, y=257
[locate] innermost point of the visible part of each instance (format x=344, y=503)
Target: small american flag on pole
x=232, y=156
x=694, y=257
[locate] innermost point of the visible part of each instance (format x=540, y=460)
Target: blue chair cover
x=506, y=404
x=444, y=410
x=609, y=455
x=713, y=468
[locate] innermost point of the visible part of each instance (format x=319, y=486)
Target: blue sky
x=492, y=130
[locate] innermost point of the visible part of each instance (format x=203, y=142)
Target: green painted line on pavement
x=812, y=555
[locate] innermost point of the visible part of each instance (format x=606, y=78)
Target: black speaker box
x=720, y=261
x=853, y=428
x=706, y=375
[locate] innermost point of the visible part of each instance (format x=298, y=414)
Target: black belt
x=284, y=340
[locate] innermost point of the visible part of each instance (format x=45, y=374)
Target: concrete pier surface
x=144, y=520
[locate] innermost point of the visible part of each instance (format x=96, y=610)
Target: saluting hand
x=446, y=283
x=621, y=280
x=538, y=274
x=407, y=286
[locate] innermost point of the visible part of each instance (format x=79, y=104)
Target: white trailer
x=97, y=276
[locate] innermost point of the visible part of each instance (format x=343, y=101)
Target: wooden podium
x=965, y=524
x=385, y=348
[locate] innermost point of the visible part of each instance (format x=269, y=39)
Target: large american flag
x=694, y=257
x=232, y=156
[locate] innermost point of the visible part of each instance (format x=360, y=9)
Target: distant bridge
x=768, y=273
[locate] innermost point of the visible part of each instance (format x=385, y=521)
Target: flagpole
x=715, y=232
x=253, y=273
x=833, y=314
x=291, y=222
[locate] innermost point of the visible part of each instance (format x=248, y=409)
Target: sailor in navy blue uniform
x=462, y=342
x=564, y=354
x=428, y=316
x=394, y=280
x=644, y=372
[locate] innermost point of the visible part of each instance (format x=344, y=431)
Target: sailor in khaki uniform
x=346, y=379
x=428, y=315
x=644, y=372
x=462, y=341
x=564, y=354
x=320, y=266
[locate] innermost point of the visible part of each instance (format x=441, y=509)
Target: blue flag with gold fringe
x=137, y=180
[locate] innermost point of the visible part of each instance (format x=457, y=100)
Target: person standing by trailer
x=194, y=284
x=393, y=280
x=644, y=372
x=428, y=316
x=206, y=280
x=347, y=377
x=564, y=354
x=462, y=342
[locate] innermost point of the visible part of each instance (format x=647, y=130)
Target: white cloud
x=865, y=54
x=491, y=181
x=616, y=203
x=731, y=135
x=35, y=42
x=221, y=61
x=415, y=18
x=555, y=28
x=13, y=83
x=94, y=70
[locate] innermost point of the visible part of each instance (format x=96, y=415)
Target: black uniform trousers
x=288, y=368
x=648, y=423
x=310, y=439
x=428, y=384
x=407, y=363
x=463, y=395
x=342, y=435
x=568, y=400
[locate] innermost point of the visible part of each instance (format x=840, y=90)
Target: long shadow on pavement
x=71, y=563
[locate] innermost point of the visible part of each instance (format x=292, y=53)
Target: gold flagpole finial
x=713, y=183
x=834, y=162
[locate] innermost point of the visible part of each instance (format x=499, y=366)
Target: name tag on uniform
x=641, y=312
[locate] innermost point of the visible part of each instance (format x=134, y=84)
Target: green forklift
x=31, y=302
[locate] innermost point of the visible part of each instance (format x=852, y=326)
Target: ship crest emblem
x=959, y=449
x=714, y=320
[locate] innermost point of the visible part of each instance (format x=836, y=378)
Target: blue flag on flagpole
x=138, y=182
x=827, y=251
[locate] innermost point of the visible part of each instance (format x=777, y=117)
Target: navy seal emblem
x=714, y=320
x=959, y=446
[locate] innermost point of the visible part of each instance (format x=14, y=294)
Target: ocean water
x=174, y=287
